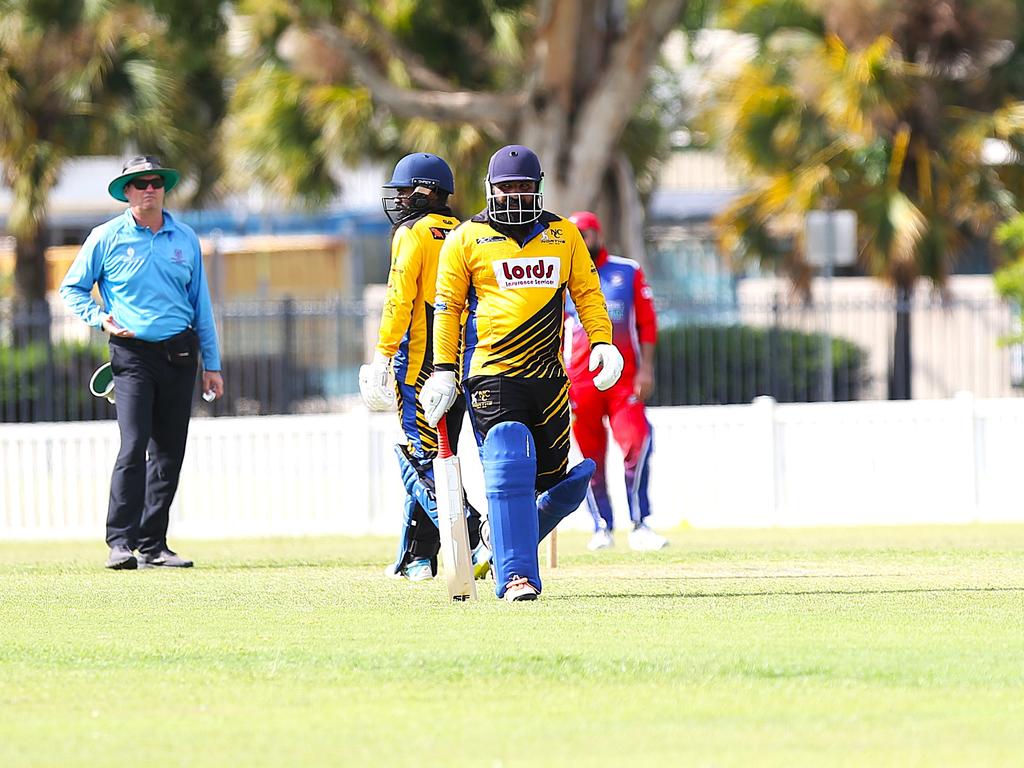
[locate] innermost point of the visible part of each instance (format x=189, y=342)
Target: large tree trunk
x=593, y=71
x=30, y=266
x=30, y=312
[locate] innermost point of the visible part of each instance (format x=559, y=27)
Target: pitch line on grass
x=785, y=593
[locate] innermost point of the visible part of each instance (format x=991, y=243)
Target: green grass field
x=895, y=646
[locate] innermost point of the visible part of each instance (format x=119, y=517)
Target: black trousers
x=541, y=404
x=154, y=404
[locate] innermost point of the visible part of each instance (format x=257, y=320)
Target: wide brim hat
x=143, y=165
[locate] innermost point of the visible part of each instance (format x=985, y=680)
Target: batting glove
x=609, y=360
x=437, y=395
x=377, y=384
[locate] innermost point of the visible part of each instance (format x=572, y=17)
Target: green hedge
x=43, y=382
x=715, y=364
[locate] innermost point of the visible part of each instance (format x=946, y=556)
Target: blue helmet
x=420, y=169
x=514, y=163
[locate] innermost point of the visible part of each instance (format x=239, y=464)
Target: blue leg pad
x=418, y=479
x=509, y=460
x=561, y=500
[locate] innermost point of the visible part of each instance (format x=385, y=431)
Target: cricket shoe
x=481, y=561
x=414, y=570
x=643, y=539
x=602, y=539
x=519, y=588
x=165, y=558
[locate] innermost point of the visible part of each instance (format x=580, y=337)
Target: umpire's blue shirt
x=153, y=284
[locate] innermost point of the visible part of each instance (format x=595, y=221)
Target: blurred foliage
x=291, y=125
x=1009, y=279
x=42, y=381
x=724, y=364
x=289, y=131
x=82, y=77
x=881, y=107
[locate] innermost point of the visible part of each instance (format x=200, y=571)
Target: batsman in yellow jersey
x=416, y=203
x=509, y=268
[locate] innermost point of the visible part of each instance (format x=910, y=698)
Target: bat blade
x=456, y=556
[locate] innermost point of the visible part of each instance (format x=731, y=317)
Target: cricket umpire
x=148, y=269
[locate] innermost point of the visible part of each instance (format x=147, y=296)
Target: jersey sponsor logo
x=440, y=306
x=438, y=233
x=541, y=272
x=616, y=279
x=552, y=236
x=616, y=310
x=491, y=239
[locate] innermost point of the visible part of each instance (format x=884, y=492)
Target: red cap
x=586, y=220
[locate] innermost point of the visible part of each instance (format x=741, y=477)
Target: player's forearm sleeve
x=205, y=326
x=643, y=304
x=449, y=301
x=76, y=287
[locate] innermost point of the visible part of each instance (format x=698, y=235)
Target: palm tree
x=885, y=113
x=76, y=78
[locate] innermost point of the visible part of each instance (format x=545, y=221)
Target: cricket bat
x=456, y=558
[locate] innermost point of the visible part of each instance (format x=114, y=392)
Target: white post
x=769, y=481
x=967, y=437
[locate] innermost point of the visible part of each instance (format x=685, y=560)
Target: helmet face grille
x=514, y=207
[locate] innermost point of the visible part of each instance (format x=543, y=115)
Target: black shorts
x=541, y=404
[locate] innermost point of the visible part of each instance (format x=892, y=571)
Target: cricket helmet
x=514, y=163
x=420, y=169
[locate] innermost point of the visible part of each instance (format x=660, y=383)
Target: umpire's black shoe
x=163, y=559
x=121, y=559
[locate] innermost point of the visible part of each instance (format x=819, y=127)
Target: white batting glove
x=377, y=384
x=609, y=360
x=437, y=395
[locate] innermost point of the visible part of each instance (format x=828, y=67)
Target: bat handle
x=444, y=449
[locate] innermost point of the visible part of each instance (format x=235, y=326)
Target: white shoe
x=602, y=539
x=643, y=539
x=415, y=570
x=518, y=589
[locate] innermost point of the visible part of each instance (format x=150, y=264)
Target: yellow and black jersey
x=514, y=296
x=406, y=323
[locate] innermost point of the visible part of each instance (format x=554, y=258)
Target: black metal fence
x=303, y=356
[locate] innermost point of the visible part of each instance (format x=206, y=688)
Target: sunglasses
x=141, y=184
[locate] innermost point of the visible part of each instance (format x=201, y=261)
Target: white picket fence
x=763, y=464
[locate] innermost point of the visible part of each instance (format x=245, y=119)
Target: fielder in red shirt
x=634, y=333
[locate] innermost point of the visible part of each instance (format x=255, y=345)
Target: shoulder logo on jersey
x=541, y=272
x=552, y=236
x=491, y=239
x=439, y=234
